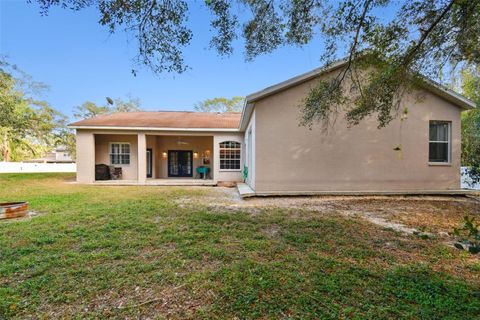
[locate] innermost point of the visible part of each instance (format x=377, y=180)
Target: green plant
x=469, y=235
x=245, y=173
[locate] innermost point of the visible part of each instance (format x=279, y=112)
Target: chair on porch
x=203, y=171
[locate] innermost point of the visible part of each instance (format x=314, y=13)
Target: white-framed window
x=119, y=153
x=230, y=155
x=439, y=146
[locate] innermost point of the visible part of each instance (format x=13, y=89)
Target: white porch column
x=85, y=157
x=142, y=158
x=215, y=158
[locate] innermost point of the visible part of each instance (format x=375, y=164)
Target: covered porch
x=159, y=157
x=151, y=147
x=155, y=159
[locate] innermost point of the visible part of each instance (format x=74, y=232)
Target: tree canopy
x=90, y=109
x=471, y=83
x=28, y=126
x=404, y=38
x=220, y=104
x=471, y=123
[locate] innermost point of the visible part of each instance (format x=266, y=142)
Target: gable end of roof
x=430, y=85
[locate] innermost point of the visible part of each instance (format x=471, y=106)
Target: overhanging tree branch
x=409, y=56
x=355, y=43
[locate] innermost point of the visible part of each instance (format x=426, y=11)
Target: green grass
x=100, y=252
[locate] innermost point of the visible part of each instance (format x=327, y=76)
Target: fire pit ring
x=10, y=210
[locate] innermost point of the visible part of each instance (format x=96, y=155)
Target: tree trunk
x=6, y=149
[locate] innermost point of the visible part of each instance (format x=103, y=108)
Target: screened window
x=120, y=153
x=230, y=152
x=439, y=143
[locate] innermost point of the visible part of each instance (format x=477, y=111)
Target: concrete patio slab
x=158, y=182
x=245, y=192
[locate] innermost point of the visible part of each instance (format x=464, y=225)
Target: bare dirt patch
x=406, y=214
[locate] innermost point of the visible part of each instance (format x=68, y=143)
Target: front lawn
x=170, y=253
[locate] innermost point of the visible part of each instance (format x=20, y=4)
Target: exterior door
x=149, y=163
x=180, y=163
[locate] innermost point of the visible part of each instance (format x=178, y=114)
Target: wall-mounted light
x=164, y=154
x=207, y=153
x=195, y=155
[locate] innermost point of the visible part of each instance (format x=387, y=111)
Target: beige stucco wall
x=102, y=152
x=227, y=175
x=85, y=156
x=289, y=157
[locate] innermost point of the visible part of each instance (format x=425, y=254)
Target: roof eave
x=294, y=81
x=455, y=98
x=450, y=95
x=252, y=98
x=93, y=127
x=247, y=112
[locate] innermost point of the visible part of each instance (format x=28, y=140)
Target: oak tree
x=221, y=104
x=405, y=39
x=90, y=109
x=471, y=123
x=28, y=125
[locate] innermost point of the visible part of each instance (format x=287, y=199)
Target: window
x=230, y=155
x=439, y=143
x=120, y=153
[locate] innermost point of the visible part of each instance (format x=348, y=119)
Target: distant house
x=58, y=155
x=265, y=145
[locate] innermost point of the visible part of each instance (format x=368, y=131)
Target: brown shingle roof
x=164, y=119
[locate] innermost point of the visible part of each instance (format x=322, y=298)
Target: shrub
x=469, y=235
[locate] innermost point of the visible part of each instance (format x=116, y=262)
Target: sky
x=81, y=61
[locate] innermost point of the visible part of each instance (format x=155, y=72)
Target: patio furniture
x=115, y=173
x=102, y=172
x=203, y=172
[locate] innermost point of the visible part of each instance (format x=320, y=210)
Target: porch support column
x=142, y=158
x=85, y=157
x=215, y=158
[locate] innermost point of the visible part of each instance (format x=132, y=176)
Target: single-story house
x=59, y=155
x=265, y=146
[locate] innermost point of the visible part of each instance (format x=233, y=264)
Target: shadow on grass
x=334, y=290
